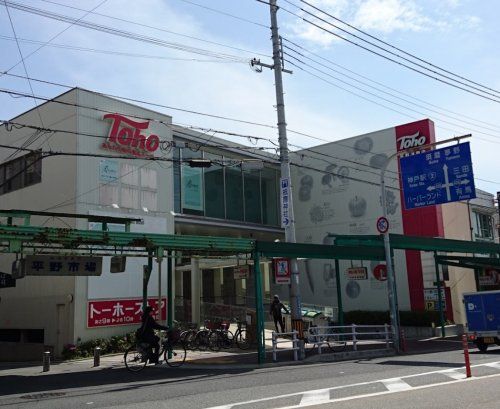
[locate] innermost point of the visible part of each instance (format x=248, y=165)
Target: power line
x=380, y=97
x=157, y=28
x=122, y=33
x=23, y=62
x=394, y=47
x=113, y=52
x=329, y=62
x=224, y=13
x=392, y=59
x=55, y=36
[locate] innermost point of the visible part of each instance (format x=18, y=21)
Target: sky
x=460, y=36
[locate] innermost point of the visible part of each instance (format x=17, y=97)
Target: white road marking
x=315, y=397
x=453, y=374
x=396, y=385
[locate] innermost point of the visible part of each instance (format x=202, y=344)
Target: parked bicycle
x=326, y=337
x=240, y=336
x=172, y=349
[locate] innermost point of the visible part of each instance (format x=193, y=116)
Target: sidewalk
x=237, y=359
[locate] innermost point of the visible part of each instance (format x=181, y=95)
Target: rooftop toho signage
x=125, y=137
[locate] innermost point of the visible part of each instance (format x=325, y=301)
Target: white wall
x=343, y=197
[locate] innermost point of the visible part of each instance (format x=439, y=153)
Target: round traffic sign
x=380, y=272
x=382, y=224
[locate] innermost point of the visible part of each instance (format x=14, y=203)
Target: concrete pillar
x=218, y=284
x=195, y=290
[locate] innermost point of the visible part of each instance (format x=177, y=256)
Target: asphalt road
x=417, y=381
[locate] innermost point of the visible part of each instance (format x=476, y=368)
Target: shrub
x=111, y=345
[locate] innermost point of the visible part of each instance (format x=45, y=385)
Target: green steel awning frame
x=402, y=242
x=469, y=262
x=15, y=239
x=319, y=251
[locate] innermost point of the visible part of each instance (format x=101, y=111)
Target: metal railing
x=279, y=338
x=325, y=335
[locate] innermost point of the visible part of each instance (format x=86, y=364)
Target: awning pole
x=440, y=296
x=259, y=309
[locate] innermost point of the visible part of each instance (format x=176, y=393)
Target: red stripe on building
x=426, y=221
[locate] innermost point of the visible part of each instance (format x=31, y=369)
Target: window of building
x=484, y=226
x=253, y=203
x=234, y=193
x=214, y=188
x=128, y=186
x=21, y=172
x=224, y=192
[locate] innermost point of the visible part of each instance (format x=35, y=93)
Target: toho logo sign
x=125, y=137
x=411, y=141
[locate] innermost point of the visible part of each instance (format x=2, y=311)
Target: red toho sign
x=107, y=313
x=125, y=137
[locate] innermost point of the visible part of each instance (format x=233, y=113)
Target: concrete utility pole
x=295, y=304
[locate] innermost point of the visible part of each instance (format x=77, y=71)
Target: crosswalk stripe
x=454, y=374
x=396, y=385
x=315, y=397
x=495, y=365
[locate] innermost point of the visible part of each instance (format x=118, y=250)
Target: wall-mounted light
x=115, y=206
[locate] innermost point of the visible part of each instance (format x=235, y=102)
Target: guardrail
x=295, y=343
x=342, y=334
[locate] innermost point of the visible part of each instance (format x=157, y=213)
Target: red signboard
x=125, y=137
x=282, y=272
x=107, y=313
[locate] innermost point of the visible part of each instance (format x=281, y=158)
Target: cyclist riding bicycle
x=146, y=332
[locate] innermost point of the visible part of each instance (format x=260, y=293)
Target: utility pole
x=498, y=208
x=289, y=225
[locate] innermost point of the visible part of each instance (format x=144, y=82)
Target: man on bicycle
x=146, y=332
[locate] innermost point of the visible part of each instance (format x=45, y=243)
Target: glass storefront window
x=270, y=199
x=177, y=180
x=224, y=191
x=253, y=209
x=234, y=193
x=192, y=185
x=214, y=189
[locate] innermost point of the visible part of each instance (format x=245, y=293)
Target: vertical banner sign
x=285, y=201
x=192, y=193
x=282, y=271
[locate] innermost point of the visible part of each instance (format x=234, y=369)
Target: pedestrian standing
x=275, y=310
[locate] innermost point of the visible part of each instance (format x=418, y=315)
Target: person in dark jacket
x=275, y=311
x=146, y=332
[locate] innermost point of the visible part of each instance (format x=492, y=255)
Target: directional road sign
x=438, y=176
x=285, y=202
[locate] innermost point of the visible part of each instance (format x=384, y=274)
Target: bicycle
x=207, y=337
x=325, y=337
x=240, y=336
x=174, y=352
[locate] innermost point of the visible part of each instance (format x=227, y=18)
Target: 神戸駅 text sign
x=438, y=176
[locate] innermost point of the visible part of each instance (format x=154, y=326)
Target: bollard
x=46, y=361
x=465, y=345
x=387, y=339
x=402, y=340
x=275, y=346
x=97, y=356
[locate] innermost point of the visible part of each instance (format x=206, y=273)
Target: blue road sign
x=438, y=176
